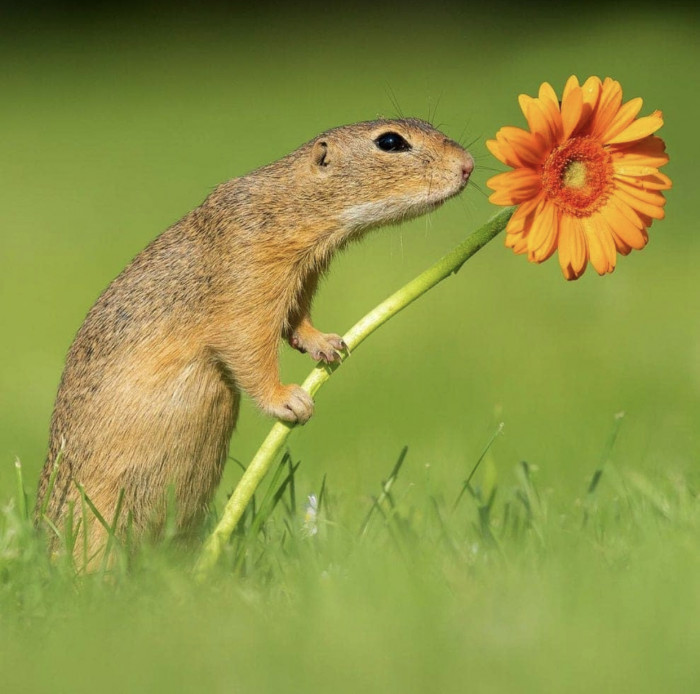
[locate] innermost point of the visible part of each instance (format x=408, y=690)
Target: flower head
x=585, y=176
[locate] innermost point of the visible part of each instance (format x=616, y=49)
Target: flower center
x=577, y=176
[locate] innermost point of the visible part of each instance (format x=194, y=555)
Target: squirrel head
x=388, y=171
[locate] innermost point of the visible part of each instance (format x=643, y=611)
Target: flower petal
x=529, y=148
x=571, y=111
x=549, y=103
x=601, y=247
x=571, y=85
x=548, y=94
x=655, y=181
x=620, y=245
x=535, y=119
x=534, y=116
x=623, y=118
x=622, y=169
x=542, y=241
x=622, y=226
x=634, y=216
x=639, y=129
x=522, y=218
x=651, y=151
x=647, y=195
x=514, y=187
x=542, y=117
x=517, y=243
x=607, y=107
x=519, y=225
x=644, y=203
x=572, y=247
x=504, y=152
x=591, y=89
x=495, y=148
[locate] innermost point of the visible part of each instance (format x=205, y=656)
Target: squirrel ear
x=319, y=153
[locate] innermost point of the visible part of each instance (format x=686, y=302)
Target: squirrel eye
x=392, y=142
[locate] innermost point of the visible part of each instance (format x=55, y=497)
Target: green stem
x=449, y=264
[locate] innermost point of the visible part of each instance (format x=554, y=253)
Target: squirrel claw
x=325, y=347
x=327, y=357
x=292, y=404
x=336, y=342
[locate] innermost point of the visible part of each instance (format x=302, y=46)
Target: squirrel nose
x=467, y=167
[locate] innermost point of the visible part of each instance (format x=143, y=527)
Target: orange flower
x=585, y=177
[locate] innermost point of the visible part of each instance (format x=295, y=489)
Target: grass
x=500, y=583
x=574, y=572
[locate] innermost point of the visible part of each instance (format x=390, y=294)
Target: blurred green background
x=114, y=125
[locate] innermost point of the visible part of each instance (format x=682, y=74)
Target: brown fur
x=151, y=387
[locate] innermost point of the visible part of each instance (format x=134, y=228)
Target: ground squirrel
x=152, y=384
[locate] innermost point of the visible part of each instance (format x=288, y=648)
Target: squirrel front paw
x=290, y=403
x=320, y=346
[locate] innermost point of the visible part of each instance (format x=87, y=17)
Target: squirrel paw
x=320, y=346
x=291, y=403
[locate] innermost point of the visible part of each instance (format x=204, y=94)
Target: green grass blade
x=112, y=534
x=467, y=483
x=386, y=488
x=52, y=482
x=607, y=451
x=21, y=493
